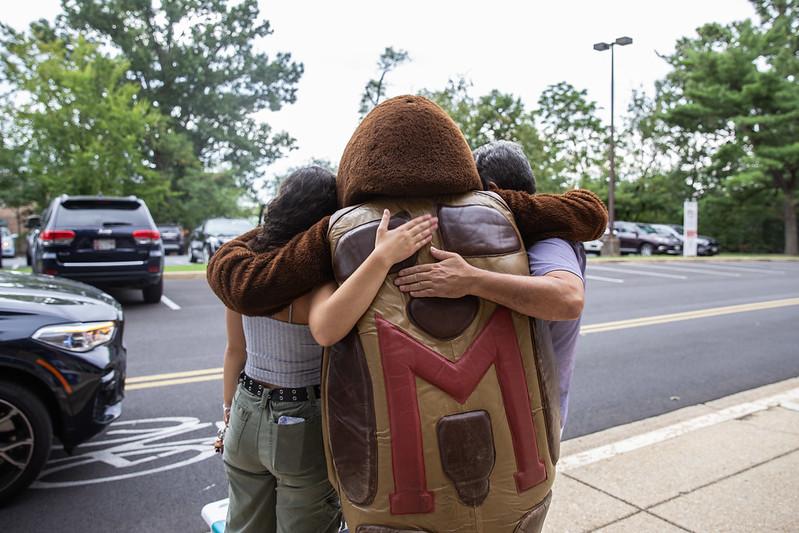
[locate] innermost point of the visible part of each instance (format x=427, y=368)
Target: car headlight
x=80, y=337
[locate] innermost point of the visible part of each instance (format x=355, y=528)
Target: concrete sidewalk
x=727, y=465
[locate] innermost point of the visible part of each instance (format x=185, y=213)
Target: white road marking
x=600, y=278
x=169, y=303
x=636, y=442
x=707, y=271
x=747, y=269
x=638, y=272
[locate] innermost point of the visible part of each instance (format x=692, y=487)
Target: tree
x=492, y=117
x=574, y=138
x=375, y=89
x=737, y=83
x=195, y=60
x=77, y=126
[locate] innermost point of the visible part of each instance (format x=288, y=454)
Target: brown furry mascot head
x=406, y=146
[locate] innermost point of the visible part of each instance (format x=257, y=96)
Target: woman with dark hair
x=273, y=444
x=273, y=450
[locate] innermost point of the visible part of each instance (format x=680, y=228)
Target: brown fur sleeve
x=258, y=284
x=577, y=215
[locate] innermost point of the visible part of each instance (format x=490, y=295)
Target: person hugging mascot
x=440, y=415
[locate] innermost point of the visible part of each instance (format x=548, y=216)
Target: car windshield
x=664, y=230
x=228, y=226
x=646, y=228
x=4, y=231
x=77, y=214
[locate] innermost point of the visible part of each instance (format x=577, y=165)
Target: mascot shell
x=439, y=414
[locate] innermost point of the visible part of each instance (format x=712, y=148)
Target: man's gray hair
x=504, y=163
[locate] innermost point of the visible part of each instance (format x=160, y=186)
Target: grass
x=191, y=267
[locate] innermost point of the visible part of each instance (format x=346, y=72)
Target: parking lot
x=656, y=337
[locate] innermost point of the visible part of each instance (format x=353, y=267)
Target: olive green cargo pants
x=276, y=472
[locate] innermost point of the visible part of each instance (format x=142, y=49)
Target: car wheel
x=192, y=259
x=182, y=250
x=206, y=254
x=28, y=260
x=647, y=249
x=152, y=294
x=26, y=432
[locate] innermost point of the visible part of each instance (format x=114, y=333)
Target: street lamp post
x=611, y=246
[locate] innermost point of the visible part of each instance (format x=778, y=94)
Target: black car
x=704, y=245
x=172, y=238
x=62, y=370
x=213, y=233
x=104, y=241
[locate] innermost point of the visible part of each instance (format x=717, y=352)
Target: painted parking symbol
x=132, y=448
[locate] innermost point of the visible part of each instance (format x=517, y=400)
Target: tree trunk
x=789, y=216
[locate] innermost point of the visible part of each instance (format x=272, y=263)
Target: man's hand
x=451, y=277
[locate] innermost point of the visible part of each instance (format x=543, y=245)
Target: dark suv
x=172, y=238
x=104, y=241
x=62, y=370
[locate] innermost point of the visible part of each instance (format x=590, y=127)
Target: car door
x=628, y=237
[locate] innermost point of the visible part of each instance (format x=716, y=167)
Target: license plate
x=104, y=244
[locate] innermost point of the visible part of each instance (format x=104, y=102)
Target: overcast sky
x=514, y=46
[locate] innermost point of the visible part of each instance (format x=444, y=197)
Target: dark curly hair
x=305, y=197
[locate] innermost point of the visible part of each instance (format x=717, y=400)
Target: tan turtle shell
x=436, y=411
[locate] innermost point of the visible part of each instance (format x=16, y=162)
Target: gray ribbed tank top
x=281, y=353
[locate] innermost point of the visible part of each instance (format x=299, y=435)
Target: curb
x=673, y=258
x=191, y=274
x=615, y=435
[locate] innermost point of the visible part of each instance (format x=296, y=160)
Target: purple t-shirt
x=547, y=256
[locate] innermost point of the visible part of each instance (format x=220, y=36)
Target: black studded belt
x=283, y=394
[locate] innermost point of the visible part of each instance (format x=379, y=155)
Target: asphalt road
x=154, y=470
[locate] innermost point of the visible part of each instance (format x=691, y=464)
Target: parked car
x=172, y=238
x=103, y=241
x=32, y=224
x=62, y=370
x=206, y=238
x=593, y=247
x=704, y=245
x=8, y=240
x=643, y=239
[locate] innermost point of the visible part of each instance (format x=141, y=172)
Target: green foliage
x=574, y=142
x=195, y=61
x=496, y=116
x=375, y=89
x=77, y=126
x=737, y=84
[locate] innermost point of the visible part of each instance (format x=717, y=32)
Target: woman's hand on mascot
x=451, y=277
x=398, y=244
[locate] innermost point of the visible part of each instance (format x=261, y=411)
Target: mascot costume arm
x=263, y=283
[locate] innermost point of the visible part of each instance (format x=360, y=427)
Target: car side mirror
x=33, y=222
x=14, y=235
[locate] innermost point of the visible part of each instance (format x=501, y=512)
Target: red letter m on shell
x=404, y=358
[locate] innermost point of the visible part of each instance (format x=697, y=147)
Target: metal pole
x=612, y=187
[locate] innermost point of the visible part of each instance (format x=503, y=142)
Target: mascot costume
x=440, y=415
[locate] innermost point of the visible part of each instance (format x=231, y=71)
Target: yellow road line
x=687, y=315
x=156, y=377
x=211, y=374
x=165, y=382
